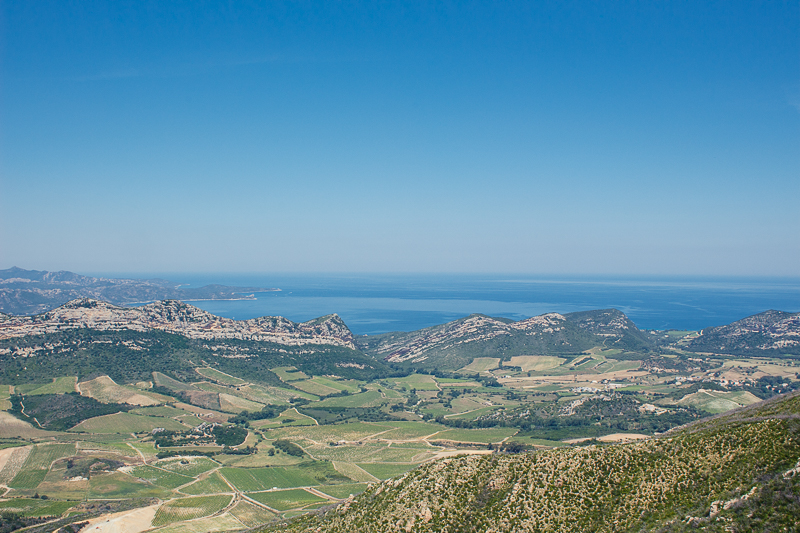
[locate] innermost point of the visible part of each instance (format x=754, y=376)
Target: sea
x=378, y=303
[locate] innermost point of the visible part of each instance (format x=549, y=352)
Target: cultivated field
x=190, y=508
x=127, y=423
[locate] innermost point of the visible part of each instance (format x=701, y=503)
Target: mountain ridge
x=25, y=292
x=452, y=344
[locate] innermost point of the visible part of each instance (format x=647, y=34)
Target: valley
x=166, y=418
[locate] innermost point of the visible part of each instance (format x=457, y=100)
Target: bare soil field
x=125, y=522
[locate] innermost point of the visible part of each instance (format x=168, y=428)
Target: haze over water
x=378, y=303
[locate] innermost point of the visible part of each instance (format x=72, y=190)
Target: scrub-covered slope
x=739, y=471
x=771, y=333
x=455, y=344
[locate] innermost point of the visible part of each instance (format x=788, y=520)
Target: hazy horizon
x=624, y=139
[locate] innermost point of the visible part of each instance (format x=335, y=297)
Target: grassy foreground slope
x=734, y=472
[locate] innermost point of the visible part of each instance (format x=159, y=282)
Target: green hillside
x=456, y=344
x=767, y=334
x=129, y=356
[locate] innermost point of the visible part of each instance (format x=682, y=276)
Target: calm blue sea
x=371, y=303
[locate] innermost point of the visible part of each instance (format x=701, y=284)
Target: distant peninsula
x=28, y=292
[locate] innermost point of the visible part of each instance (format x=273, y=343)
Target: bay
x=378, y=303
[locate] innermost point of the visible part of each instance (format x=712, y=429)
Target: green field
x=350, y=431
x=481, y=364
x=214, y=524
x=233, y=403
x=342, y=491
x=364, y=399
x=289, y=373
x=372, y=452
x=119, y=485
x=255, y=479
x=127, y=423
x=166, y=411
x=316, y=386
x=269, y=395
x=412, y=430
x=718, y=401
x=475, y=435
x=28, y=478
x=38, y=464
x=212, y=484
x=283, y=500
x=163, y=380
x=58, y=386
x=473, y=414
x=35, y=507
x=250, y=514
x=387, y=470
x=162, y=478
x=416, y=381
x=189, y=508
x=612, y=365
x=187, y=466
x=535, y=363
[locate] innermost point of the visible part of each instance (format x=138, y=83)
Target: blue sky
x=536, y=137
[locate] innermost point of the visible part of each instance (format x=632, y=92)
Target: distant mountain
x=735, y=472
x=771, y=333
x=180, y=318
x=26, y=292
x=455, y=344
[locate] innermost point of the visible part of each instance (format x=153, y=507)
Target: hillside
x=739, y=472
x=129, y=343
x=25, y=292
x=455, y=344
x=770, y=334
x=177, y=317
